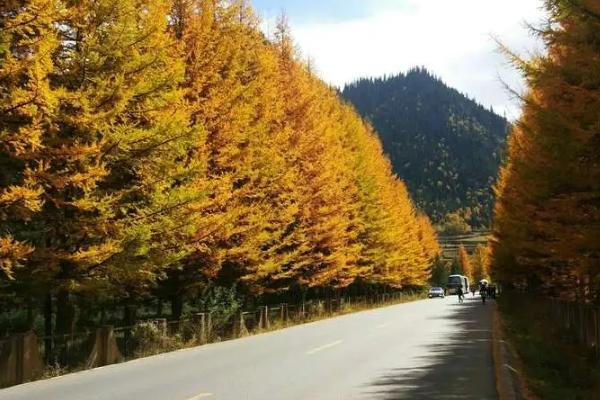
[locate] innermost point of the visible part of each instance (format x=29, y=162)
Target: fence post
x=20, y=360
x=239, y=326
x=209, y=327
x=284, y=313
x=266, y=323
x=261, y=317
x=30, y=357
x=201, y=320
x=105, y=350
x=263, y=320
x=161, y=324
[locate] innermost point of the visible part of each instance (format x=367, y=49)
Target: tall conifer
x=547, y=221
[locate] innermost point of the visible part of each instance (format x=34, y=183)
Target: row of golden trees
x=547, y=222
x=474, y=266
x=154, y=146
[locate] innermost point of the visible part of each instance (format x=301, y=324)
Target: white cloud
x=452, y=38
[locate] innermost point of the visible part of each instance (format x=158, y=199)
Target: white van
x=456, y=281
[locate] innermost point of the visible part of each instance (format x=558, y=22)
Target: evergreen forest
x=446, y=146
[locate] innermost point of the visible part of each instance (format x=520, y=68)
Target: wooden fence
x=581, y=321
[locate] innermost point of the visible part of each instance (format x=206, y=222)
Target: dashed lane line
x=200, y=396
x=324, y=347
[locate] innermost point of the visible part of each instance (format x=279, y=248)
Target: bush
x=223, y=304
x=455, y=224
x=149, y=338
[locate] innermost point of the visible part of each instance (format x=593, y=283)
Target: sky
x=350, y=39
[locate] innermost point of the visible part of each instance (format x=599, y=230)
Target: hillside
x=444, y=145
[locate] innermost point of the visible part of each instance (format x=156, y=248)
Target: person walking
x=460, y=293
x=483, y=292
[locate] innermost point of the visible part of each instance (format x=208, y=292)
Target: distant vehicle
x=456, y=281
x=436, y=292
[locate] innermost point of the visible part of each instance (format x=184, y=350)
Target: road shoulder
x=510, y=379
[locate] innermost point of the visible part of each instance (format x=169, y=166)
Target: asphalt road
x=432, y=349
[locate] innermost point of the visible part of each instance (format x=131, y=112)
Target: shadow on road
x=458, y=367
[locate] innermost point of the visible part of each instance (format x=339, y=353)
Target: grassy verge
x=556, y=368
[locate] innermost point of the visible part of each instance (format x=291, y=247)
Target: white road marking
x=383, y=325
x=511, y=368
x=200, y=396
x=324, y=347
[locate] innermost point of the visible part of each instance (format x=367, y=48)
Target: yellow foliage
x=12, y=255
x=179, y=143
x=547, y=217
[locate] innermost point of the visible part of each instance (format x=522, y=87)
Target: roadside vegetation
x=547, y=216
x=151, y=340
x=556, y=367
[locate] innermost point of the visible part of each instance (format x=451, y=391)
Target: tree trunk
x=176, y=307
x=48, y=328
x=65, y=313
x=159, y=308
x=129, y=319
x=65, y=325
x=30, y=314
x=130, y=314
x=303, y=302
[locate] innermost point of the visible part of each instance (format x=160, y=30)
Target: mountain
x=444, y=145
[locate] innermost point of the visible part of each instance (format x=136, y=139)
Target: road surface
x=432, y=349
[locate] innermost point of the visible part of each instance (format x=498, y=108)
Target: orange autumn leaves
x=150, y=139
x=547, y=223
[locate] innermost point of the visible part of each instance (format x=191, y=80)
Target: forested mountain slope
x=444, y=145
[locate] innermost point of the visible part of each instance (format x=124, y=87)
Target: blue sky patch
x=316, y=10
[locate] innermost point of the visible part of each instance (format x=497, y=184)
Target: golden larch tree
x=547, y=217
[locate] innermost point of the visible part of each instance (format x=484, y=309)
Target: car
x=436, y=292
